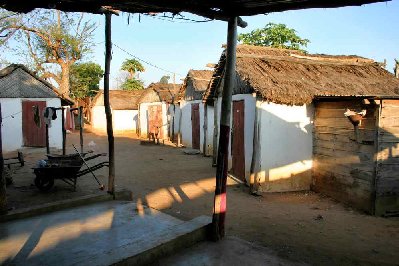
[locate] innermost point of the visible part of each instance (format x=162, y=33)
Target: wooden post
x=108, y=114
x=63, y=130
x=81, y=127
x=47, y=140
x=253, y=179
x=215, y=132
x=3, y=194
x=220, y=200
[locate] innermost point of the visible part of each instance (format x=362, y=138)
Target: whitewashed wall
x=122, y=120
x=98, y=119
x=11, y=128
x=143, y=109
x=186, y=125
x=286, y=147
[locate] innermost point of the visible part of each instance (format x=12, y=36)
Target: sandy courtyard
x=303, y=227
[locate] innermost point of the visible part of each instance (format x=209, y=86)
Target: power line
x=146, y=62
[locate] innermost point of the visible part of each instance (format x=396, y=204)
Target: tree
x=84, y=79
x=396, y=68
x=164, y=79
x=132, y=84
x=274, y=35
x=54, y=41
x=132, y=66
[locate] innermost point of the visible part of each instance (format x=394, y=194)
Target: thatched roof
x=163, y=92
x=207, y=8
x=119, y=99
x=17, y=81
x=195, y=84
x=295, y=78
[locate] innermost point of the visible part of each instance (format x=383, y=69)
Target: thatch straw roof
x=119, y=99
x=295, y=78
x=17, y=81
x=163, y=92
x=207, y=8
x=195, y=84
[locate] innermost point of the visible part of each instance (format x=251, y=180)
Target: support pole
x=205, y=126
x=253, y=178
x=108, y=114
x=81, y=127
x=63, y=130
x=220, y=200
x=47, y=141
x=215, y=132
x=3, y=194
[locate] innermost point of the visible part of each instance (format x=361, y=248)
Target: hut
x=23, y=98
x=154, y=117
x=124, y=107
x=192, y=113
x=291, y=126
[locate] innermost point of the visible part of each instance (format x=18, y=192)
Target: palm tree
x=132, y=66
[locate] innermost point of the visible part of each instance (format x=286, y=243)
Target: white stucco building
x=124, y=108
x=21, y=92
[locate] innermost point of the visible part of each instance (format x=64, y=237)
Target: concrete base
x=115, y=232
x=229, y=251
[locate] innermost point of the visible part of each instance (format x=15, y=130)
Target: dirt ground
x=302, y=226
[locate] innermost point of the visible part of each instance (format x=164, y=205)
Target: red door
x=237, y=140
x=155, y=120
x=34, y=135
x=195, y=123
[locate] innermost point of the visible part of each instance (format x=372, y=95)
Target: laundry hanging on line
x=36, y=116
x=50, y=113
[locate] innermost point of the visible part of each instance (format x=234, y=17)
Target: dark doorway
x=195, y=123
x=237, y=140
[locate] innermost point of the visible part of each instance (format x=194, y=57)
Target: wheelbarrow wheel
x=44, y=183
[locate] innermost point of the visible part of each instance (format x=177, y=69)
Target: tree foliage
x=84, y=79
x=132, y=84
x=164, y=80
x=53, y=40
x=274, y=35
x=132, y=66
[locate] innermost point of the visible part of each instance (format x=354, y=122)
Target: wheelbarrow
x=66, y=168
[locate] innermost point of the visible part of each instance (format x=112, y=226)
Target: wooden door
x=155, y=120
x=195, y=123
x=34, y=136
x=237, y=140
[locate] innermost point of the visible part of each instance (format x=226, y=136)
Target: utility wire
x=146, y=62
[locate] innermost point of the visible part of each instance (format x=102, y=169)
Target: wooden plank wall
x=343, y=166
x=387, y=172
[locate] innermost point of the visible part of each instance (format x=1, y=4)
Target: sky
x=370, y=31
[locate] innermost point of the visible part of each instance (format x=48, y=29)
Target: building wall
x=285, y=147
x=124, y=119
x=343, y=164
x=143, y=109
x=387, y=171
x=186, y=126
x=98, y=119
x=11, y=128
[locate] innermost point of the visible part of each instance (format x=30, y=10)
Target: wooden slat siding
x=387, y=172
x=343, y=168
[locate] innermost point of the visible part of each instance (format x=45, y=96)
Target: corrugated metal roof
x=16, y=82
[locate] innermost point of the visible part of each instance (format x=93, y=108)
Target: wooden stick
x=220, y=201
x=47, y=141
x=3, y=194
x=108, y=114
x=205, y=126
x=81, y=127
x=253, y=182
x=215, y=132
x=63, y=130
